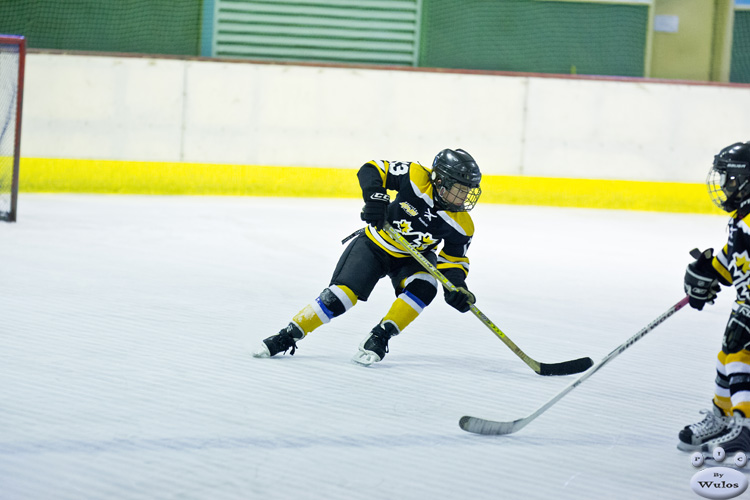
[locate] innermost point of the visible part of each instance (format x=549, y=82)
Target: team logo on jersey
x=403, y=226
x=739, y=268
x=429, y=215
x=424, y=241
x=406, y=207
x=742, y=263
x=421, y=241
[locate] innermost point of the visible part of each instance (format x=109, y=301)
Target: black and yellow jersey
x=733, y=262
x=413, y=213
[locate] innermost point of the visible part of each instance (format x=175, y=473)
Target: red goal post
x=12, y=63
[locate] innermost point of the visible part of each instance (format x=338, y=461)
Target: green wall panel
x=152, y=27
x=740, y=68
x=535, y=36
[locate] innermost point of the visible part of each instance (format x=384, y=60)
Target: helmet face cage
x=456, y=178
x=728, y=180
x=454, y=196
x=715, y=182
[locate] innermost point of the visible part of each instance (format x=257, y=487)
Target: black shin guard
x=424, y=290
x=330, y=301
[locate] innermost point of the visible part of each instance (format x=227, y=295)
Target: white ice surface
x=125, y=324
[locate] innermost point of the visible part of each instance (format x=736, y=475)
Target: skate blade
x=263, y=352
x=365, y=358
x=688, y=447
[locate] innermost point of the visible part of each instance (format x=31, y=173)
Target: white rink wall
x=151, y=109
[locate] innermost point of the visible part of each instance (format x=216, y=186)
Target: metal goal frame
x=20, y=42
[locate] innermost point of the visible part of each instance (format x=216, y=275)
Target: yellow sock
x=316, y=314
x=739, y=404
x=724, y=404
x=307, y=320
x=404, y=310
x=743, y=407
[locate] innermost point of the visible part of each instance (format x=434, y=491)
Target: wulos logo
x=719, y=482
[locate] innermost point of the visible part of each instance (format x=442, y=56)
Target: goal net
x=12, y=55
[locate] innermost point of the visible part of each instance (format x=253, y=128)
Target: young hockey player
x=430, y=206
x=726, y=424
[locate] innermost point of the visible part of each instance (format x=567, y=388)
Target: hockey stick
x=563, y=368
x=491, y=427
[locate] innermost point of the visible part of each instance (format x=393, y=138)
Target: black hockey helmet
x=729, y=179
x=455, y=178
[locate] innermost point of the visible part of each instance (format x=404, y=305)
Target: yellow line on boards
x=42, y=175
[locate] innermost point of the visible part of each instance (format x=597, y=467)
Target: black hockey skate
x=375, y=347
x=735, y=438
x=713, y=425
x=281, y=342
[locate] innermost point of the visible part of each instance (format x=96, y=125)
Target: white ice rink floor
x=125, y=323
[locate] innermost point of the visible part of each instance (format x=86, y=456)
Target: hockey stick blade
x=566, y=367
x=491, y=427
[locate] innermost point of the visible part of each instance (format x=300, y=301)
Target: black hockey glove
x=375, y=211
x=737, y=334
x=460, y=299
x=702, y=280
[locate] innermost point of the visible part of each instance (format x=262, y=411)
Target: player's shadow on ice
x=452, y=363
